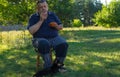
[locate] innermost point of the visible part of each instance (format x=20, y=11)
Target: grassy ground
x=93, y=52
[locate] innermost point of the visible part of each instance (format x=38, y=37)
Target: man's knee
x=61, y=50
x=64, y=45
x=42, y=45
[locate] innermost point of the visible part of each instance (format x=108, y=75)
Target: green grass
x=93, y=52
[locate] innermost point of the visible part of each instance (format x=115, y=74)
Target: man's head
x=42, y=6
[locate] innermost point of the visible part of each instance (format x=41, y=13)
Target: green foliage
x=76, y=23
x=109, y=16
x=19, y=11
x=102, y=16
x=86, y=9
x=15, y=11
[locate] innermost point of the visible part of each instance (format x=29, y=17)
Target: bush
x=76, y=23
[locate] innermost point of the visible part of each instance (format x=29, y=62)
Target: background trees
x=15, y=11
x=109, y=16
x=87, y=12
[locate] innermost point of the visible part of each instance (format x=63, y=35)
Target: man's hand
x=55, y=25
x=43, y=16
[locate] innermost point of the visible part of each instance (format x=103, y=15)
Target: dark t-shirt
x=45, y=31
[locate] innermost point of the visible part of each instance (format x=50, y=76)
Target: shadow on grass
x=17, y=63
x=94, y=40
x=80, y=62
x=85, y=60
x=84, y=35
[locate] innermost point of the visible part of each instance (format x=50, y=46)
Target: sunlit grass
x=3, y=47
x=90, y=28
x=113, y=40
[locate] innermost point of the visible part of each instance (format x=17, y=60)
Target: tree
x=15, y=11
x=19, y=11
x=109, y=16
x=87, y=9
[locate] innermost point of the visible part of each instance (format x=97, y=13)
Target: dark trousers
x=58, y=44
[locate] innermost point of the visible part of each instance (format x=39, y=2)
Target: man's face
x=42, y=7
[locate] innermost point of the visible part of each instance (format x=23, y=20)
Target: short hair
x=41, y=1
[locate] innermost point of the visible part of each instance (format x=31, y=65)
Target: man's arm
x=59, y=25
x=35, y=27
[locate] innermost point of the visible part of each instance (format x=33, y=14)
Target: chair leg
x=38, y=62
x=51, y=56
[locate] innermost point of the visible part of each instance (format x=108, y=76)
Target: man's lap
x=53, y=41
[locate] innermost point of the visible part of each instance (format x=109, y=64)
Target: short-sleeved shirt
x=45, y=31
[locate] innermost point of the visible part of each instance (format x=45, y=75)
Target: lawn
x=93, y=52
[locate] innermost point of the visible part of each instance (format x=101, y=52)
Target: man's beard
x=44, y=11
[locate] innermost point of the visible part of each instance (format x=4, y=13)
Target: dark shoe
x=62, y=69
x=57, y=67
x=44, y=72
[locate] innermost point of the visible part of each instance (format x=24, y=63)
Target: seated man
x=44, y=26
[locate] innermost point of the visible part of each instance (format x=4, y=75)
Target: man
x=44, y=26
